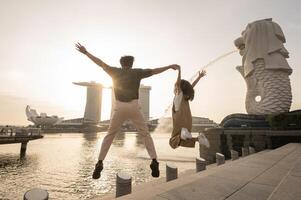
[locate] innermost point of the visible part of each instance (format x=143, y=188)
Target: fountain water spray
x=212, y=62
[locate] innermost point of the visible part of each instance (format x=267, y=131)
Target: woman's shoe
x=203, y=140
x=185, y=134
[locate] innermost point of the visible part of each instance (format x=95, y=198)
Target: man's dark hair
x=127, y=61
x=187, y=90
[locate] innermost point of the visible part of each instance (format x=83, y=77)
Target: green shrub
x=290, y=120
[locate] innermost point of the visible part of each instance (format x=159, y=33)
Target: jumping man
x=126, y=83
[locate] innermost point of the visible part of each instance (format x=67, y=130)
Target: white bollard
x=123, y=184
x=220, y=159
x=244, y=151
x=171, y=172
x=251, y=150
x=234, y=154
x=200, y=164
x=36, y=194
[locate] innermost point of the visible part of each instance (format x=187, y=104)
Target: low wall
x=222, y=140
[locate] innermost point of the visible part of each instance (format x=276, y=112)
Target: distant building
x=41, y=119
x=144, y=94
x=72, y=122
x=203, y=122
x=92, y=113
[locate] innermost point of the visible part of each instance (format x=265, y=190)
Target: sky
x=38, y=61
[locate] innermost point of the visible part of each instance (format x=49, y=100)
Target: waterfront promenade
x=270, y=174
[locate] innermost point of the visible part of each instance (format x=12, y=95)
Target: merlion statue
x=264, y=68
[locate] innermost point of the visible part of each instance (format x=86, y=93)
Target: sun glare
x=106, y=82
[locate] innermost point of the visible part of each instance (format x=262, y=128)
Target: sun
x=106, y=81
x=95, y=75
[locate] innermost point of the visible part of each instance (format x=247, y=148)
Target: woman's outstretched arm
x=201, y=74
x=162, y=69
x=178, y=82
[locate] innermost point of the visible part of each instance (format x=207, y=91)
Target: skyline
x=38, y=61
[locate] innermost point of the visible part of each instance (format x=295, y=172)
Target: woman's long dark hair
x=187, y=90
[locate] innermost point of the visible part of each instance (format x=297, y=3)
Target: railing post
x=234, y=154
x=244, y=151
x=171, y=172
x=220, y=159
x=36, y=194
x=200, y=164
x=251, y=150
x=123, y=184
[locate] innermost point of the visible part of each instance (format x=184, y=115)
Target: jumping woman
x=181, y=114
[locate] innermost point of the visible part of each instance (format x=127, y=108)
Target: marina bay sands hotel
x=92, y=113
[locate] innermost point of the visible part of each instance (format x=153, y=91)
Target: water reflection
x=119, y=139
x=90, y=136
x=84, y=186
x=14, y=173
x=140, y=141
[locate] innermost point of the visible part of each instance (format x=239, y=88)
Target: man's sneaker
x=155, y=168
x=97, y=170
x=203, y=140
x=185, y=134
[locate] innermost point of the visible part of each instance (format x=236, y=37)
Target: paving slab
x=296, y=171
x=276, y=173
x=235, y=172
x=210, y=187
x=289, y=189
x=271, y=177
x=252, y=191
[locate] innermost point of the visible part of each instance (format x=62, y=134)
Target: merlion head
x=260, y=40
x=240, y=45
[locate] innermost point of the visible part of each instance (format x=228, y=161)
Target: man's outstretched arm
x=201, y=74
x=96, y=60
x=162, y=69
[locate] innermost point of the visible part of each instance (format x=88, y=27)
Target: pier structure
x=12, y=135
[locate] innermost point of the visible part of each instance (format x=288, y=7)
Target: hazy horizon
x=38, y=61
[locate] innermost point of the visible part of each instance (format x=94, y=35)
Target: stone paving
x=272, y=175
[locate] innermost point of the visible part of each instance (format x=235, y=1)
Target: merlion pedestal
x=265, y=68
